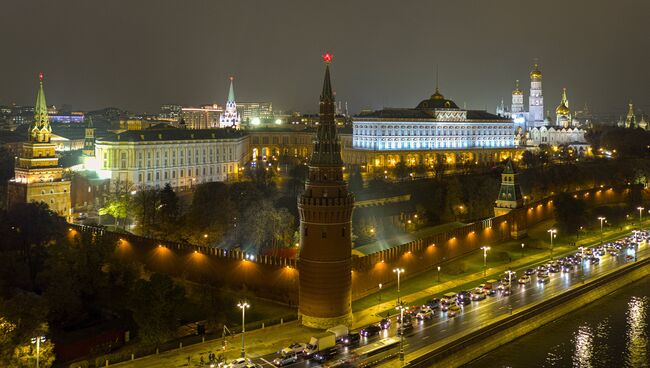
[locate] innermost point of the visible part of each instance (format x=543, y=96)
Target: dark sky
x=139, y=54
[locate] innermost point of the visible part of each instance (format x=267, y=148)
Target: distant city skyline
x=137, y=56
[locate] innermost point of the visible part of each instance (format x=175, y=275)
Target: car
x=465, y=300
x=525, y=279
x=371, y=330
x=408, y=325
x=351, y=339
x=325, y=355
x=478, y=295
x=554, y=269
x=453, y=311
x=594, y=259
x=629, y=258
x=543, y=279
x=295, y=348
x=541, y=268
x=283, y=360
x=237, y=363
x=384, y=323
x=433, y=303
x=567, y=267
x=449, y=298
x=529, y=272
x=506, y=291
x=424, y=314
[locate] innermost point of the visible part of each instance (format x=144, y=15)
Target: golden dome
x=562, y=110
x=536, y=74
x=437, y=95
x=517, y=91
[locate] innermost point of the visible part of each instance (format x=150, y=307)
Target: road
x=479, y=312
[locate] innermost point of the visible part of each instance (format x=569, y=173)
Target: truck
x=339, y=332
x=320, y=342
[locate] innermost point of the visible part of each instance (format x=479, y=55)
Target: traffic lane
x=522, y=295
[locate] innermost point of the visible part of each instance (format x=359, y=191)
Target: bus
x=376, y=352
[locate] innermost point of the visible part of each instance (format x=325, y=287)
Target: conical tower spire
x=40, y=130
x=327, y=148
x=565, y=101
x=231, y=92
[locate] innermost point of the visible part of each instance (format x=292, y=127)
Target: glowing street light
x=438, y=273
x=400, y=307
x=552, y=232
x=485, y=250
x=522, y=250
x=398, y=271
x=38, y=340
x=640, y=213
x=602, y=219
x=243, y=306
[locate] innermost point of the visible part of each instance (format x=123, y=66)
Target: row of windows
x=173, y=174
x=362, y=143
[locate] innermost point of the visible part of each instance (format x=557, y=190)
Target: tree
x=401, y=171
x=156, y=306
x=355, y=181
x=570, y=213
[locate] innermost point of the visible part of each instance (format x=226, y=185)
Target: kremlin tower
x=38, y=177
x=536, y=99
x=325, y=264
x=230, y=118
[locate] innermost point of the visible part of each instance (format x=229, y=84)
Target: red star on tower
x=327, y=58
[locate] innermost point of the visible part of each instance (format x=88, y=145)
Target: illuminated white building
x=435, y=124
x=180, y=157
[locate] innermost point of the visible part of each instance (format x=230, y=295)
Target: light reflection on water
x=636, y=352
x=611, y=332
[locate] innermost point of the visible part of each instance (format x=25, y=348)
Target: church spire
x=327, y=148
x=40, y=130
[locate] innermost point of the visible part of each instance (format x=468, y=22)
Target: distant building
x=203, y=117
x=171, y=111
x=250, y=110
x=180, y=157
x=38, y=177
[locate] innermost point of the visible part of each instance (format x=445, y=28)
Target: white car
x=285, y=359
x=295, y=348
x=237, y=363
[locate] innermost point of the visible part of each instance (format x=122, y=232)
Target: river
x=611, y=332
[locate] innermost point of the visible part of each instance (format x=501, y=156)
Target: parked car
x=283, y=360
x=371, y=330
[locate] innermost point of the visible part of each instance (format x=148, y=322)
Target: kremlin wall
x=276, y=278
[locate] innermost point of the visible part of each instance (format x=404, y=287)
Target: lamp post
x=509, y=277
x=522, y=250
x=438, y=274
x=243, y=306
x=582, y=264
x=380, y=286
x=602, y=219
x=485, y=250
x=400, y=307
x=38, y=340
x=552, y=232
x=640, y=214
x=398, y=271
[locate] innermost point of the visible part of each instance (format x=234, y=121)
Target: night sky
x=139, y=54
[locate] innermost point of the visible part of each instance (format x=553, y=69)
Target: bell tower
x=510, y=198
x=325, y=264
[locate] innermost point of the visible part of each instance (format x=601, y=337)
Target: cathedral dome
x=437, y=101
x=536, y=73
x=517, y=91
x=562, y=110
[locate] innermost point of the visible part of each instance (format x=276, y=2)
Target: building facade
x=536, y=98
x=203, y=117
x=436, y=129
x=250, y=110
x=180, y=157
x=325, y=264
x=38, y=177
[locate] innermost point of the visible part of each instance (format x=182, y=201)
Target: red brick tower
x=325, y=208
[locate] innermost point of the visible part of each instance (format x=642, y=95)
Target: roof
x=396, y=113
x=172, y=134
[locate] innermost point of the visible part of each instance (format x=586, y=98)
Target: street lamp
x=400, y=307
x=552, y=232
x=438, y=273
x=602, y=219
x=380, y=286
x=398, y=271
x=485, y=249
x=522, y=250
x=38, y=340
x=640, y=213
x=243, y=306
x=509, y=277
